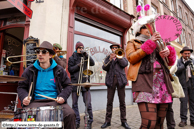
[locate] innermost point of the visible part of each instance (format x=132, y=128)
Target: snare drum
x=48, y=113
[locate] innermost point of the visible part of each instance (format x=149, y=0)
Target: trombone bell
x=119, y=53
x=87, y=72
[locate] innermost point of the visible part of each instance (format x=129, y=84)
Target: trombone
x=10, y=62
x=86, y=72
x=60, y=52
x=119, y=54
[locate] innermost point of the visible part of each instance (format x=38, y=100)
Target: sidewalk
x=133, y=118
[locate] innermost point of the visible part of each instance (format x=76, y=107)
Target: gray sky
x=191, y=4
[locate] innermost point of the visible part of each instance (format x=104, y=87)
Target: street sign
x=22, y=7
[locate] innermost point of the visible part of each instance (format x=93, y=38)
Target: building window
x=98, y=38
x=141, y=2
x=180, y=12
x=191, y=23
x=154, y=9
x=190, y=41
x=172, y=5
x=186, y=18
x=183, y=37
x=118, y=3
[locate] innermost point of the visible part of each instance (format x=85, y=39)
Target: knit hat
x=57, y=45
x=46, y=45
x=78, y=44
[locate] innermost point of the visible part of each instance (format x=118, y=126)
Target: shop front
x=98, y=24
x=13, y=30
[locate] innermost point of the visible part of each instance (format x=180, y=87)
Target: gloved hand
x=85, y=54
x=187, y=63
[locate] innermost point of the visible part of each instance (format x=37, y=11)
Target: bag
x=178, y=90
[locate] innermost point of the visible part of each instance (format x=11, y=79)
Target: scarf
x=143, y=37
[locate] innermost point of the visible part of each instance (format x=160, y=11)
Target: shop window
x=98, y=40
x=15, y=20
x=118, y=3
x=12, y=46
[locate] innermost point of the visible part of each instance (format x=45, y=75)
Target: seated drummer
x=49, y=79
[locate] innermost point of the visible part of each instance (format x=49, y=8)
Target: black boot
x=77, y=126
x=124, y=124
x=106, y=124
x=89, y=126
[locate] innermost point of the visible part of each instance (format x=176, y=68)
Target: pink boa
x=172, y=56
x=148, y=47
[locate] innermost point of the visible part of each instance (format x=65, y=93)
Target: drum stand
x=86, y=117
x=16, y=101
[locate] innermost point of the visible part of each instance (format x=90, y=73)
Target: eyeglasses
x=80, y=47
x=115, y=47
x=44, y=51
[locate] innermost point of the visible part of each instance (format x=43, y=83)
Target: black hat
x=115, y=45
x=46, y=45
x=186, y=49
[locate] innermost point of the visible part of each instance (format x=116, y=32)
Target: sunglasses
x=44, y=51
x=80, y=47
x=115, y=47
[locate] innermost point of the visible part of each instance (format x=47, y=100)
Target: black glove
x=187, y=63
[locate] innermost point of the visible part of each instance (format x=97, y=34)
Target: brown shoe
x=182, y=124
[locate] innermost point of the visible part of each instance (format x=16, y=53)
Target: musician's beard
x=143, y=37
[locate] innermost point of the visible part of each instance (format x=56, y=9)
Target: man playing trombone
x=60, y=60
x=47, y=78
x=74, y=69
x=115, y=78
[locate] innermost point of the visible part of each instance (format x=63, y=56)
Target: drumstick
x=47, y=97
x=30, y=90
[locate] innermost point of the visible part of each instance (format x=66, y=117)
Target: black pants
x=75, y=105
x=170, y=117
x=189, y=98
x=110, y=98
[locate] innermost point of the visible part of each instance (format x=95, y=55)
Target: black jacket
x=115, y=67
x=30, y=73
x=74, y=68
x=181, y=73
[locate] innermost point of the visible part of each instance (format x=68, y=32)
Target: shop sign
x=3, y=53
x=22, y=7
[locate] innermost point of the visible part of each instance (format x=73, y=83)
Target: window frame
x=186, y=18
x=141, y=2
x=120, y=2
x=180, y=12
x=172, y=5
x=154, y=8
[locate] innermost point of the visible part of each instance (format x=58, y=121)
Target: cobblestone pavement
x=133, y=118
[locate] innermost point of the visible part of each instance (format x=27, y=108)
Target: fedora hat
x=186, y=49
x=46, y=45
x=115, y=45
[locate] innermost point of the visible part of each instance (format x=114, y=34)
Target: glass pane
x=98, y=51
x=85, y=28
